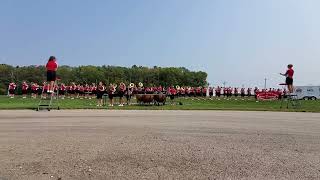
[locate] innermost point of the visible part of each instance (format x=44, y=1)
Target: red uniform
x=52, y=66
x=34, y=88
x=25, y=87
x=172, y=91
x=45, y=87
x=62, y=88
x=198, y=91
x=122, y=87
x=204, y=91
x=12, y=88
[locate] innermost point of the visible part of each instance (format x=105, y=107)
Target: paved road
x=88, y=144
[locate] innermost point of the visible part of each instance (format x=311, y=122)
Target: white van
x=308, y=92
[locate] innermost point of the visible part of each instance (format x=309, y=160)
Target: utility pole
x=265, y=83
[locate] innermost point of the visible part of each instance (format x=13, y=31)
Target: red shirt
x=12, y=86
x=25, y=86
x=34, y=87
x=172, y=91
x=290, y=73
x=62, y=88
x=52, y=66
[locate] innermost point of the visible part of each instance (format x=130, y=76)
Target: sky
x=240, y=42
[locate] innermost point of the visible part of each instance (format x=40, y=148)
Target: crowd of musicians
x=97, y=90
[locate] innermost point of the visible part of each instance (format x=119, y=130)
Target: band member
x=56, y=88
x=279, y=92
x=284, y=93
x=218, y=91
x=204, y=92
x=229, y=92
x=100, y=92
x=62, y=90
x=225, y=92
x=111, y=92
x=188, y=91
x=81, y=91
x=148, y=90
x=128, y=94
x=242, y=92
x=34, y=90
x=93, y=89
x=44, y=90
x=25, y=88
x=249, y=92
x=236, y=93
x=183, y=91
x=289, y=77
x=68, y=91
x=12, y=89
x=72, y=90
x=198, y=91
x=255, y=91
x=211, y=92
x=122, y=89
x=193, y=92
x=77, y=90
x=87, y=91
x=172, y=92
x=51, y=67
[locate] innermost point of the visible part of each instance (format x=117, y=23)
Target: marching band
x=86, y=91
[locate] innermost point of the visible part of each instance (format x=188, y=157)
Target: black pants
x=51, y=76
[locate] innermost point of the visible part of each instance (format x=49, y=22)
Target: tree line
x=155, y=76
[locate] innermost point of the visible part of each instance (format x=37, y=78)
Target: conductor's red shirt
x=52, y=66
x=290, y=73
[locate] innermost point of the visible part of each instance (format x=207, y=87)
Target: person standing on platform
x=289, y=77
x=52, y=68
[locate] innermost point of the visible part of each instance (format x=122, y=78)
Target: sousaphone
x=131, y=85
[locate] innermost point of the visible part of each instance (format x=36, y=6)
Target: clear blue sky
x=237, y=41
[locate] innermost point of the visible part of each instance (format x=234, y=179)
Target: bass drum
x=139, y=98
x=160, y=99
x=147, y=98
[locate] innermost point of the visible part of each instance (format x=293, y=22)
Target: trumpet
x=140, y=84
x=131, y=85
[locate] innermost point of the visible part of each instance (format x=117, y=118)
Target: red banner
x=267, y=95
